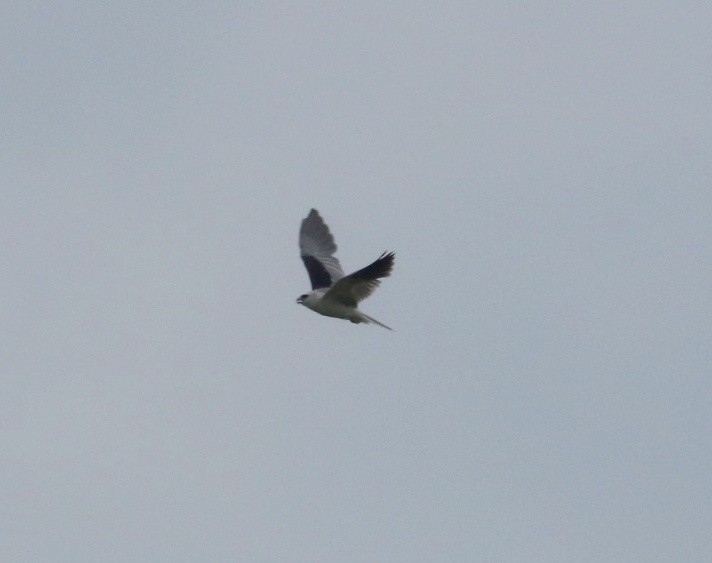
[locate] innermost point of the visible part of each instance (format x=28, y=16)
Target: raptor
x=334, y=294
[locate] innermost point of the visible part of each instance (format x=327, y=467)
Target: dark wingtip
x=388, y=259
x=380, y=268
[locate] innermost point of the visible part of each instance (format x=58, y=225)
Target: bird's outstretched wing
x=359, y=285
x=317, y=248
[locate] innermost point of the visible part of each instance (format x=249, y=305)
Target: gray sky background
x=543, y=172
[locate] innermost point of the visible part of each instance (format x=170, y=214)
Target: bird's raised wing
x=317, y=248
x=359, y=285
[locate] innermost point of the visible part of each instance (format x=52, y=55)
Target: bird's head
x=302, y=298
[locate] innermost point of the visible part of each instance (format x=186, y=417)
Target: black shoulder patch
x=318, y=274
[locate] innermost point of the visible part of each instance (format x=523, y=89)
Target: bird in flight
x=334, y=294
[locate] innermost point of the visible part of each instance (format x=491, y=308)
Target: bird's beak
x=299, y=300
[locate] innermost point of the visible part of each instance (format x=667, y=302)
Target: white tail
x=368, y=319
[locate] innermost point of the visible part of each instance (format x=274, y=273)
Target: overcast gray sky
x=542, y=171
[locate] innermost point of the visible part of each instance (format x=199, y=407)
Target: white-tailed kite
x=334, y=294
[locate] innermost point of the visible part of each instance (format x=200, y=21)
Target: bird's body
x=319, y=302
x=334, y=294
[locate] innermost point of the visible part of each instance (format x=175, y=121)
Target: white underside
x=317, y=302
x=324, y=306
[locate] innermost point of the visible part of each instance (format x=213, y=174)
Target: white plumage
x=334, y=294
